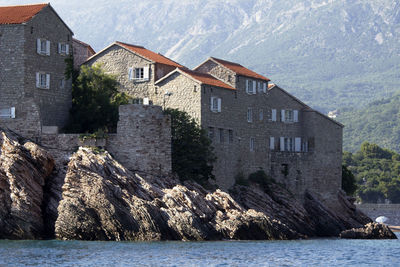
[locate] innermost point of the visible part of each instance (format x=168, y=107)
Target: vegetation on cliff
x=376, y=171
x=378, y=122
x=95, y=101
x=192, y=153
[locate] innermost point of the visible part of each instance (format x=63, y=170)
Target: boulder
x=369, y=231
x=23, y=171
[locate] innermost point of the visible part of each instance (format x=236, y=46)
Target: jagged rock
x=101, y=200
x=23, y=170
x=369, y=231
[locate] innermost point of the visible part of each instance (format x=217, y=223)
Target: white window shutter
x=37, y=79
x=272, y=143
x=295, y=115
x=273, y=114
x=67, y=49
x=254, y=87
x=282, y=143
x=59, y=48
x=38, y=46
x=283, y=115
x=146, y=101
x=297, y=144
x=247, y=86
x=130, y=73
x=47, y=81
x=219, y=104
x=146, y=73
x=265, y=87
x=48, y=48
x=12, y=112
x=212, y=104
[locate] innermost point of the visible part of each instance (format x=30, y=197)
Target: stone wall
x=81, y=53
x=54, y=103
x=143, y=139
x=391, y=211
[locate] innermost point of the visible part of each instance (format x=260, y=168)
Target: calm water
x=319, y=252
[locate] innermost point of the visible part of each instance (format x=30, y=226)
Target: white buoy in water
x=381, y=219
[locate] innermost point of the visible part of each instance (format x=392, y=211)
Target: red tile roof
x=158, y=58
x=85, y=44
x=206, y=78
x=239, y=69
x=19, y=14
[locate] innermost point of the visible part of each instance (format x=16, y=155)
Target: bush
x=241, y=180
x=192, y=153
x=349, y=184
x=261, y=178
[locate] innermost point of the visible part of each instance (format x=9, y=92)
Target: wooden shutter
x=37, y=79
x=273, y=115
x=271, y=143
x=219, y=104
x=247, y=86
x=38, y=46
x=130, y=73
x=48, y=48
x=295, y=115
x=47, y=81
x=283, y=115
x=254, y=87
x=59, y=48
x=297, y=144
x=12, y=112
x=146, y=73
x=212, y=104
x=67, y=49
x=282, y=143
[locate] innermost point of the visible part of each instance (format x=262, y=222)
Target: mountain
x=378, y=123
x=329, y=53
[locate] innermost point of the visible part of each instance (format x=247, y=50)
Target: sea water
x=314, y=252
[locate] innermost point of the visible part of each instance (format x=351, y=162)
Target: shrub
x=240, y=179
x=261, y=178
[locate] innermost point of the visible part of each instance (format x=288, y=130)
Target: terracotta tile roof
x=206, y=78
x=158, y=58
x=239, y=69
x=19, y=14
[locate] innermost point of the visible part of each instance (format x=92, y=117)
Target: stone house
x=82, y=51
x=252, y=123
x=33, y=91
x=136, y=68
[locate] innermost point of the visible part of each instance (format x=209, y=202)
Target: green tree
x=349, y=184
x=95, y=101
x=192, y=153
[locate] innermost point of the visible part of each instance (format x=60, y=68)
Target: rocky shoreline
x=87, y=195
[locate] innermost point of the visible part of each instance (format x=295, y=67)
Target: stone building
x=33, y=91
x=82, y=51
x=252, y=123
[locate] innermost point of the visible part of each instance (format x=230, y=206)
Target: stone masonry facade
x=24, y=63
x=266, y=129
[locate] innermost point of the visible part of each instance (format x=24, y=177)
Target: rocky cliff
x=87, y=195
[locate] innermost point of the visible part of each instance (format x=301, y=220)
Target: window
x=7, y=113
x=251, y=87
x=43, y=47
x=250, y=115
x=260, y=89
x=230, y=134
x=211, y=132
x=139, y=74
x=289, y=115
x=287, y=144
x=273, y=114
x=304, y=146
x=221, y=135
x=42, y=80
x=229, y=78
x=215, y=104
x=195, y=88
x=61, y=84
x=252, y=141
x=260, y=115
x=63, y=48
